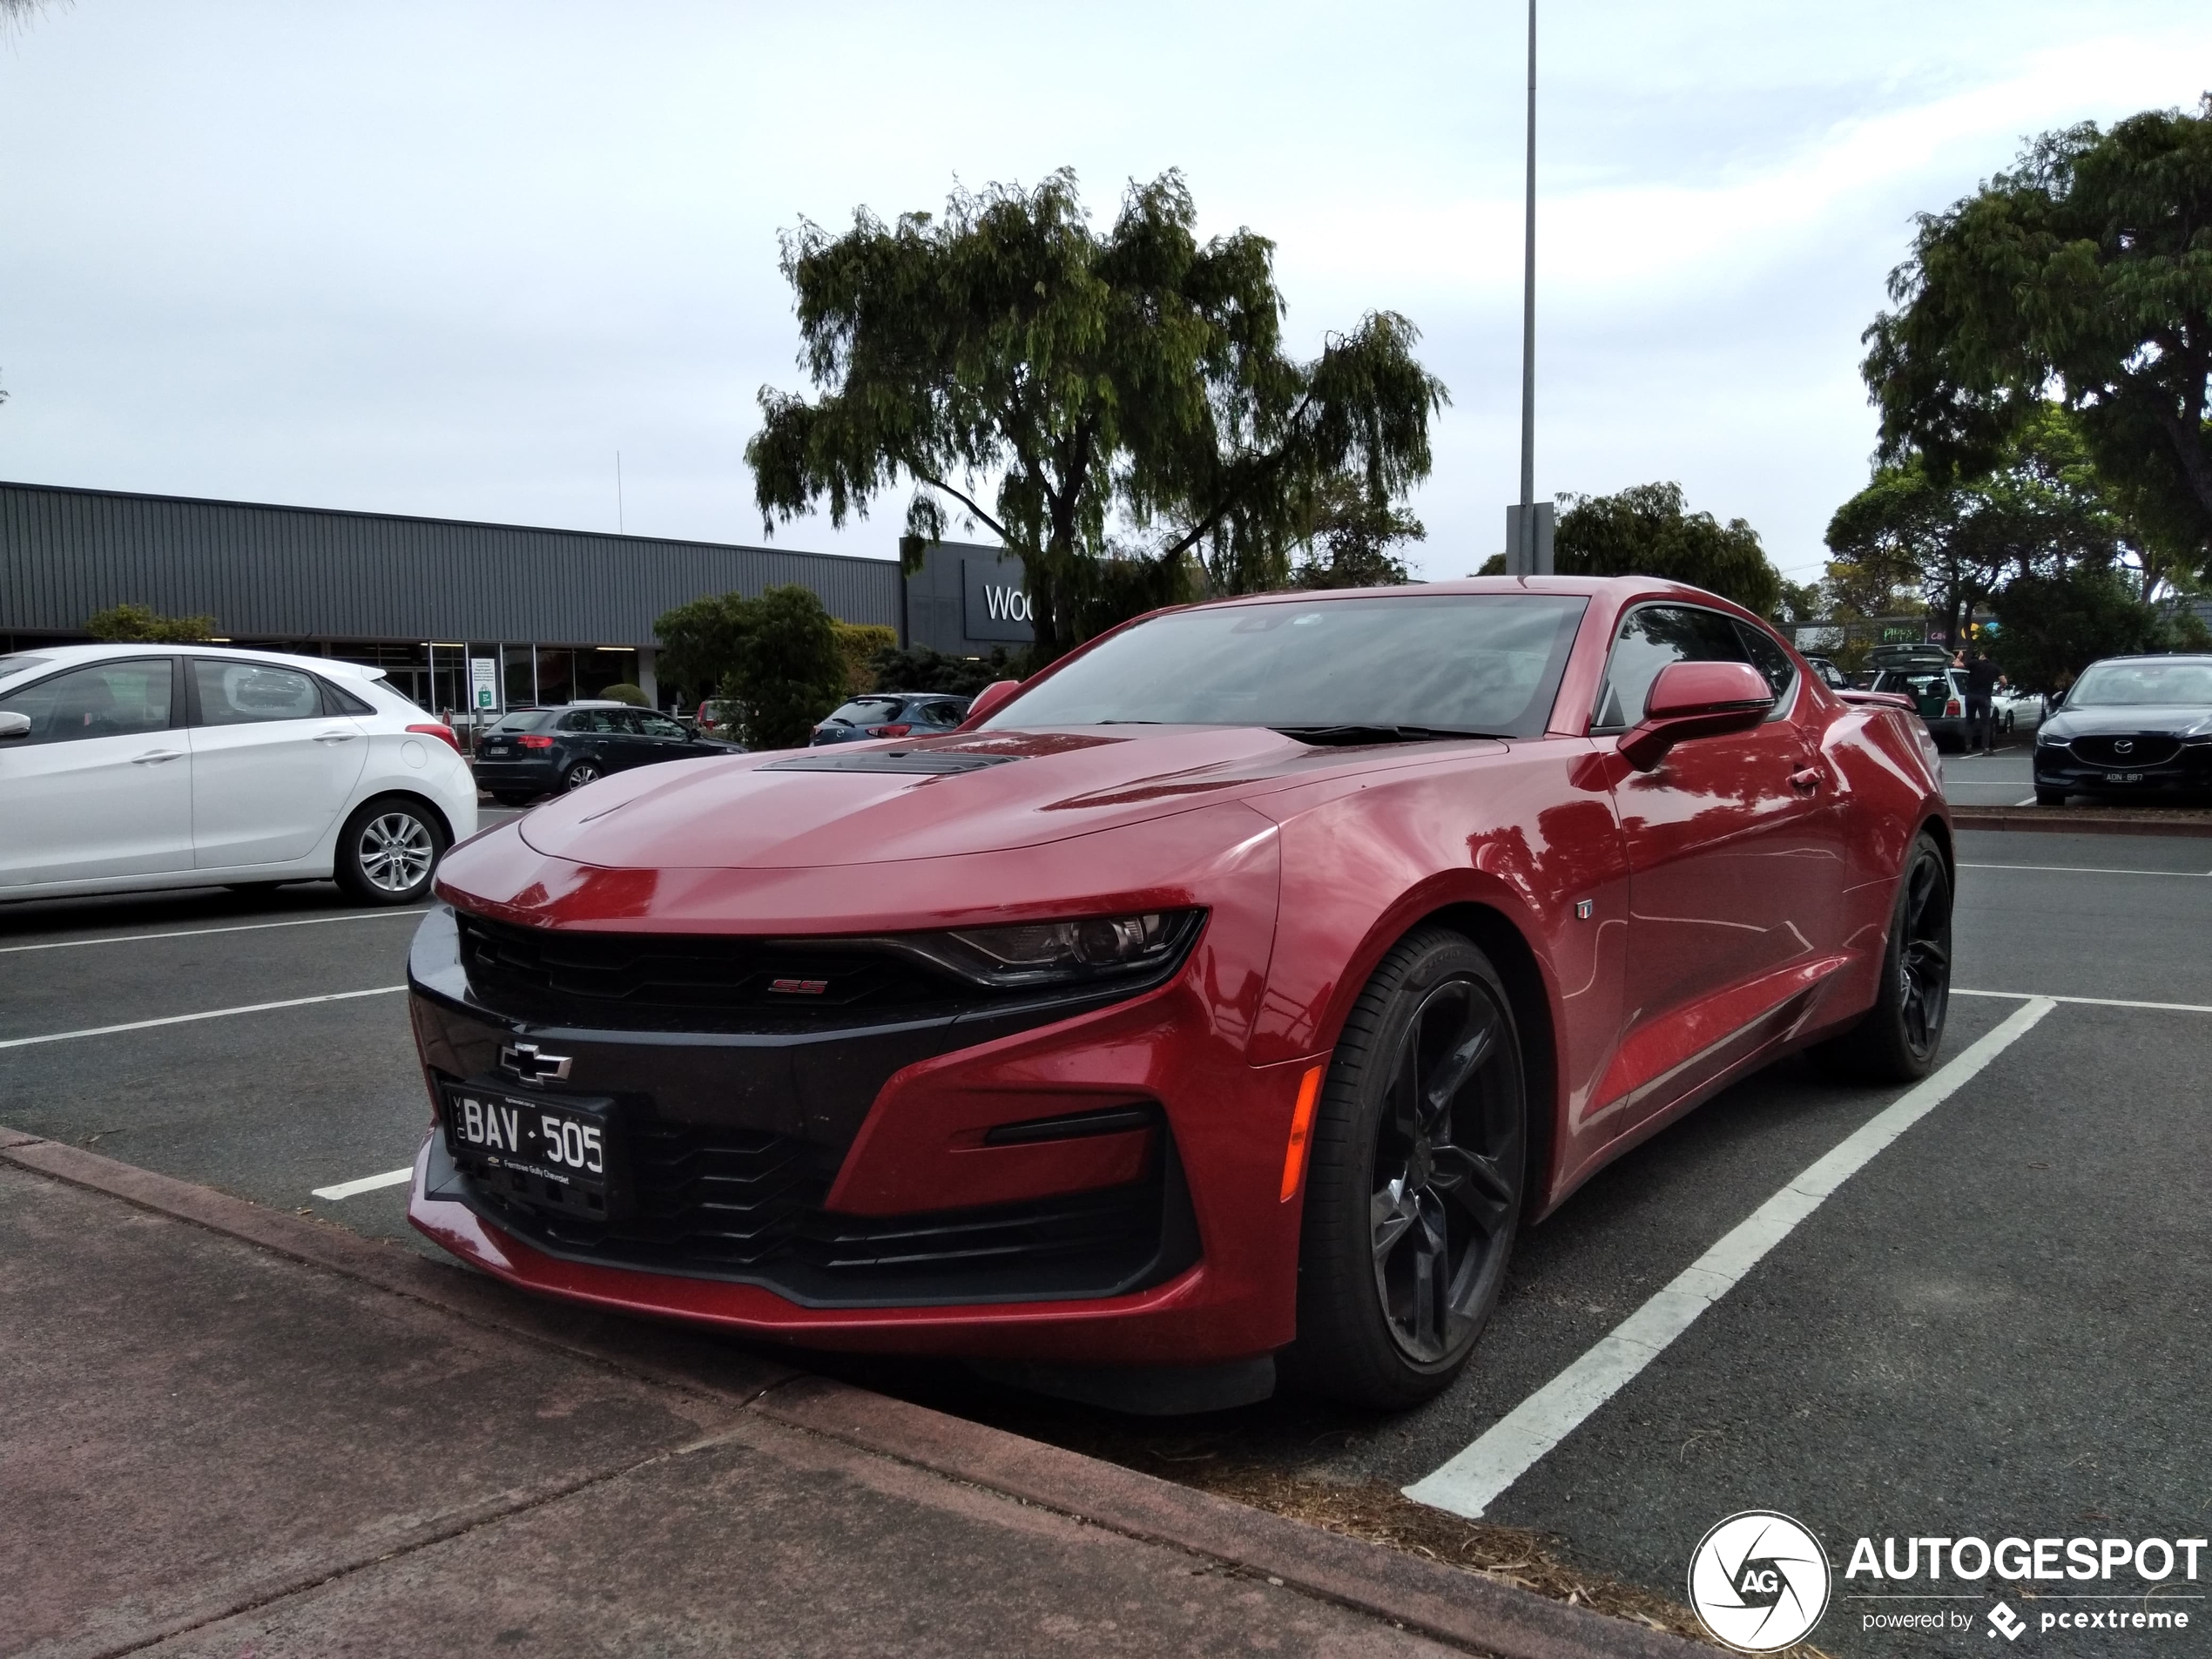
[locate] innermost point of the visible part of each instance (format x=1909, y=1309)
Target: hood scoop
x=930, y=762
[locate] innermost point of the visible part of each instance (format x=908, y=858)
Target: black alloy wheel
x=1898, y=1040
x=1416, y=1179
x=584, y=771
x=388, y=850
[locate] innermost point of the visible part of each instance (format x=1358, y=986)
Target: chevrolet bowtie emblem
x=532, y=1067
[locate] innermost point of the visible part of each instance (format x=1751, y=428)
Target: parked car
x=2015, y=711
x=1939, y=691
x=136, y=767
x=717, y=718
x=2130, y=726
x=892, y=714
x=1238, y=988
x=533, y=751
x=1831, y=676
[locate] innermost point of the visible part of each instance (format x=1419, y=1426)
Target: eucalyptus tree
x=1118, y=408
x=2084, y=275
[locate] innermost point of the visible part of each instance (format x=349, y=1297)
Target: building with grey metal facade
x=564, y=613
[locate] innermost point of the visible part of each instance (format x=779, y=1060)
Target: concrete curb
x=2065, y=821
x=1464, y=1608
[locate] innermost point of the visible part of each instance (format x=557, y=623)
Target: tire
x=1386, y=1329
x=1898, y=1040
x=2049, y=797
x=584, y=771
x=388, y=850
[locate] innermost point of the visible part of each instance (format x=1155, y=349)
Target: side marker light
x=1308, y=1090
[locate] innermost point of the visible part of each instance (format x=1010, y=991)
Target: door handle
x=336, y=737
x=1804, y=782
x=153, y=757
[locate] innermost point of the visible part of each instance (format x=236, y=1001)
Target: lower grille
x=748, y=1207
x=2127, y=753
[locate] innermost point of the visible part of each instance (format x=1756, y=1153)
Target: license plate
x=2123, y=777
x=568, y=1145
x=495, y=748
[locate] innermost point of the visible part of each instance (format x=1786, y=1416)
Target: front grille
x=747, y=1206
x=2139, y=751
x=694, y=982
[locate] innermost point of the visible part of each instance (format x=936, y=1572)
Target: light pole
x=1528, y=525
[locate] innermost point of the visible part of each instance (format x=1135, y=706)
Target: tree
x=1647, y=531
x=858, y=643
x=1124, y=401
x=1349, y=536
x=2085, y=274
x=789, y=671
x=2038, y=507
x=777, y=657
x=624, y=691
x=143, y=624
x=2049, y=628
x=920, y=669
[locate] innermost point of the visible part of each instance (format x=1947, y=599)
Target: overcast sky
x=448, y=258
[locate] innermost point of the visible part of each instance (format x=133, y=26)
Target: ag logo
x=1759, y=1580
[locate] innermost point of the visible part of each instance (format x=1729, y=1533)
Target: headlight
x=2047, y=739
x=1056, y=953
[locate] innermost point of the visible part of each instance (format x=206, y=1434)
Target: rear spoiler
x=1878, y=700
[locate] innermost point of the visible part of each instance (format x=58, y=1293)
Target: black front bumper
x=2186, y=774
x=733, y=1138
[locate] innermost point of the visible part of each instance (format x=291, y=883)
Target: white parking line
x=201, y=932
x=2090, y=1001
x=366, y=1184
x=2091, y=869
x=1467, y=1484
x=186, y=1019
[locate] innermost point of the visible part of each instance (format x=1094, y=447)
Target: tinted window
x=2140, y=684
x=869, y=711
x=1767, y=656
x=1651, y=637
x=658, y=726
x=233, y=693
x=338, y=700
x=524, y=720
x=941, y=713
x=107, y=700
x=587, y=720
x=1458, y=662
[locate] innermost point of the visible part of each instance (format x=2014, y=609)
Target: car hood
x=2175, y=719
x=811, y=809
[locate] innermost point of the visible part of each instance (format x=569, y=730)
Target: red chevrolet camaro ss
x=1231, y=992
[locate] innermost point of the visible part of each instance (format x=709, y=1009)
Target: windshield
x=1475, y=663
x=2117, y=685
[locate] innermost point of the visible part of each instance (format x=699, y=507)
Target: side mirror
x=13, y=725
x=989, y=699
x=1697, y=700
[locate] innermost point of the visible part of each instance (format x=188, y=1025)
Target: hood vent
x=930, y=762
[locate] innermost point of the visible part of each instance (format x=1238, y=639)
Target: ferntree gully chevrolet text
x=1226, y=996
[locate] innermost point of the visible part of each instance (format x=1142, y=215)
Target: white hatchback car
x=136, y=766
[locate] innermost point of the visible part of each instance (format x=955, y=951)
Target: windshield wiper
x=1351, y=734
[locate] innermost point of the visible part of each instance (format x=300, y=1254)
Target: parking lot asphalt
x=1994, y=1327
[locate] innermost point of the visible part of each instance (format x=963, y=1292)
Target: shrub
x=143, y=624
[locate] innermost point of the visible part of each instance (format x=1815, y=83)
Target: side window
x=658, y=726
x=336, y=700
x=1769, y=658
x=121, y=699
x=585, y=720
x=944, y=713
x=232, y=693
x=1651, y=637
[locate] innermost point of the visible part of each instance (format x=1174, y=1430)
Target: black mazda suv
x=2133, y=727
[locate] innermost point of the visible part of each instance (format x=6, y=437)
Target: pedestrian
x=1981, y=689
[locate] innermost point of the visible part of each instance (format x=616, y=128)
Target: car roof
x=63, y=656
